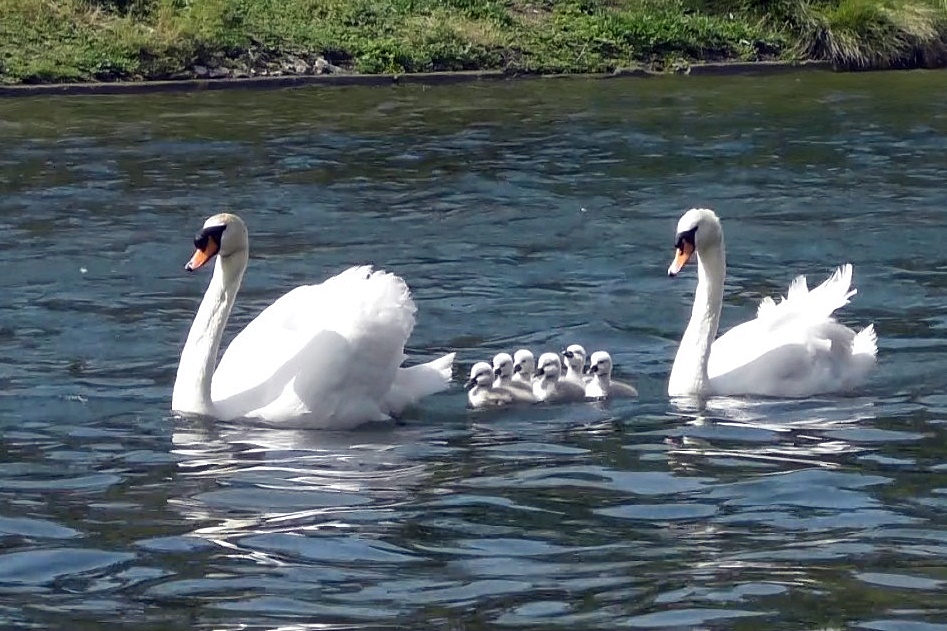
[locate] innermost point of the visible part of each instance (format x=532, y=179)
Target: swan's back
x=329, y=351
x=795, y=347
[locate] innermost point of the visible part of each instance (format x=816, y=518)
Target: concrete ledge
x=756, y=67
x=424, y=78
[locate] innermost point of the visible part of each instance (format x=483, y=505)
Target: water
x=536, y=213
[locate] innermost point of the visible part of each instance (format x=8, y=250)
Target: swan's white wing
x=794, y=347
x=329, y=351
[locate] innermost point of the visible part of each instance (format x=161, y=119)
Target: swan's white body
x=601, y=385
x=524, y=365
x=574, y=358
x=549, y=387
x=503, y=371
x=482, y=393
x=793, y=348
x=321, y=356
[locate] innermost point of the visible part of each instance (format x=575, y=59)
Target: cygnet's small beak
x=496, y=372
x=539, y=373
x=471, y=383
x=594, y=369
x=568, y=354
x=517, y=368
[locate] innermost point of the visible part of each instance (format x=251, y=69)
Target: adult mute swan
x=793, y=348
x=321, y=356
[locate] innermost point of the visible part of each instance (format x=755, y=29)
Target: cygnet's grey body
x=574, y=358
x=481, y=393
x=549, y=387
x=602, y=386
x=524, y=365
x=503, y=372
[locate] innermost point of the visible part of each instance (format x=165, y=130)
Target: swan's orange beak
x=202, y=256
x=681, y=256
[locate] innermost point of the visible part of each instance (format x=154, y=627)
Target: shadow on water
x=533, y=214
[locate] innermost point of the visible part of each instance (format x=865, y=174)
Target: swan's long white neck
x=199, y=356
x=689, y=373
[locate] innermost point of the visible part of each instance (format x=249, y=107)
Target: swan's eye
x=203, y=237
x=687, y=237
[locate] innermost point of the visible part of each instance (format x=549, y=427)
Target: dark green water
x=536, y=213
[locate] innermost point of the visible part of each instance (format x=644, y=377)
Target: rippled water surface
x=537, y=213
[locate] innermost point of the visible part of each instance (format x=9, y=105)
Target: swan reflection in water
x=769, y=431
x=248, y=478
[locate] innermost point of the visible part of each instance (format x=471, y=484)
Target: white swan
x=793, y=348
x=482, y=393
x=503, y=370
x=549, y=387
x=574, y=357
x=524, y=365
x=602, y=386
x=322, y=356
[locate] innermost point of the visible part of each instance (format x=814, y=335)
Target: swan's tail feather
x=416, y=382
x=866, y=342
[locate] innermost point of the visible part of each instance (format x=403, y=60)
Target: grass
x=103, y=40
x=853, y=34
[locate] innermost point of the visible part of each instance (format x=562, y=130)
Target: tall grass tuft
x=853, y=34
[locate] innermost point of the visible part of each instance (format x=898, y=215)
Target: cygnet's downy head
x=524, y=362
x=503, y=365
x=574, y=357
x=698, y=230
x=600, y=364
x=549, y=367
x=481, y=374
x=224, y=234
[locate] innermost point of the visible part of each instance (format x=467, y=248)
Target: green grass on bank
x=81, y=40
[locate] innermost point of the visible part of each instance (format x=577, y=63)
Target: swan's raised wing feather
x=793, y=347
